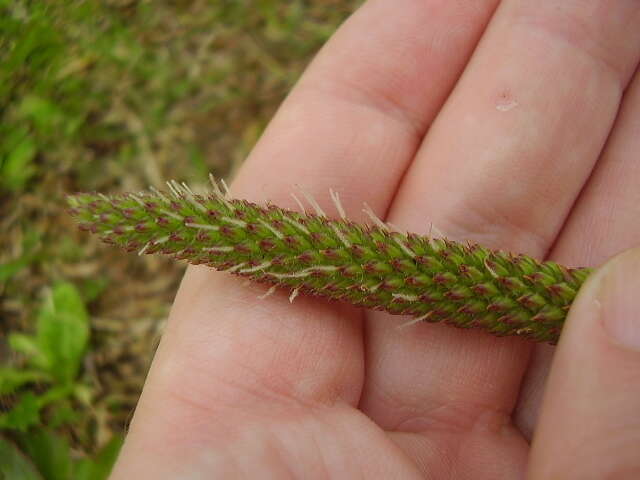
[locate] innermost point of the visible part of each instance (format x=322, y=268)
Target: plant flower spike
x=373, y=266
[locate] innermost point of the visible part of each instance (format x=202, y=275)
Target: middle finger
x=502, y=165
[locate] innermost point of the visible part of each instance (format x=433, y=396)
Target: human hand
x=513, y=157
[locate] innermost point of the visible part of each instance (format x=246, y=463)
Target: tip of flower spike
x=79, y=199
x=79, y=202
x=72, y=200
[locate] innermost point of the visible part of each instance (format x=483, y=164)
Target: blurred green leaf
x=29, y=245
x=43, y=113
x=99, y=467
x=17, y=167
x=28, y=346
x=12, y=378
x=63, y=332
x=83, y=393
x=55, y=394
x=198, y=162
x=92, y=287
x=49, y=452
x=24, y=414
x=62, y=413
x=14, y=465
x=39, y=42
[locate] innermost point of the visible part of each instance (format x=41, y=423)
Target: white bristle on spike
x=374, y=218
x=395, y=228
x=224, y=249
x=335, y=196
x=268, y=293
x=416, y=320
x=257, y=268
x=323, y=268
x=312, y=201
x=137, y=199
x=297, y=200
x=219, y=194
x=215, y=186
x=234, y=221
x=404, y=247
x=172, y=215
x=193, y=201
x=202, y=226
x=158, y=193
x=144, y=249
x=235, y=268
x=294, y=294
x=340, y=236
x=175, y=187
x=434, y=232
x=172, y=190
x=491, y=270
x=227, y=192
x=289, y=275
x=271, y=229
x=186, y=188
x=306, y=272
x=404, y=296
x=298, y=225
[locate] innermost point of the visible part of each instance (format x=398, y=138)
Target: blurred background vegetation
x=114, y=95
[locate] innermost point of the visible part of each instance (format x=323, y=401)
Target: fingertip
x=589, y=427
x=620, y=298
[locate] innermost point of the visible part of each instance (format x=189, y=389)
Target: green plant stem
x=431, y=279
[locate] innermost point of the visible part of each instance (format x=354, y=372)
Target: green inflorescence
x=431, y=279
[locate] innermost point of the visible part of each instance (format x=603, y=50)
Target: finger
x=353, y=123
x=355, y=120
x=603, y=222
x=358, y=115
x=589, y=425
x=502, y=165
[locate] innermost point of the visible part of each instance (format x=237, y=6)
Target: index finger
x=353, y=123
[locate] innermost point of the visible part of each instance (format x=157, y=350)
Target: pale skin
x=514, y=125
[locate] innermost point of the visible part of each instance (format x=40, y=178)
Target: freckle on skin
x=505, y=101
